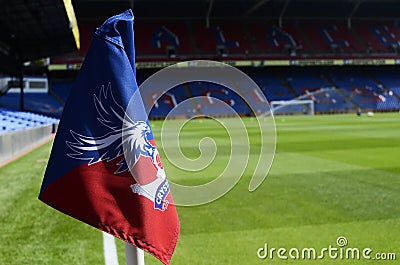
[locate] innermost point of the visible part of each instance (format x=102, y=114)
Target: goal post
x=292, y=107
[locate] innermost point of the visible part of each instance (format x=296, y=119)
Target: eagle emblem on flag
x=126, y=142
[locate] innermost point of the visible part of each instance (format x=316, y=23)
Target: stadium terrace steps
x=192, y=39
x=311, y=85
x=156, y=38
x=271, y=85
x=35, y=102
x=377, y=36
x=332, y=90
x=206, y=42
x=390, y=80
x=212, y=96
x=13, y=120
x=365, y=91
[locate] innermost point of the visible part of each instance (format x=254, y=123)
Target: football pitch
x=332, y=196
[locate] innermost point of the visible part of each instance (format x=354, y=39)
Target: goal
x=292, y=107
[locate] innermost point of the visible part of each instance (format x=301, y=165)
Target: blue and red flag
x=104, y=168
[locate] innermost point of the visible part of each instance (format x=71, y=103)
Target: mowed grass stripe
x=297, y=199
x=315, y=187
x=319, y=236
x=33, y=233
x=240, y=247
x=327, y=180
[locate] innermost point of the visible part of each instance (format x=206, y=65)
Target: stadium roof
x=236, y=9
x=267, y=9
x=99, y=10
x=33, y=29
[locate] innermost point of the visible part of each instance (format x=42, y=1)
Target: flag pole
x=134, y=255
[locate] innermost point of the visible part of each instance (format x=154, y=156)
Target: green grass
x=332, y=176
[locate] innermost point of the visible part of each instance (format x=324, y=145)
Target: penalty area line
x=110, y=250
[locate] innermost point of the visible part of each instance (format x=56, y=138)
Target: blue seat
x=11, y=120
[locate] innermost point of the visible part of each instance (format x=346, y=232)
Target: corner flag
x=104, y=168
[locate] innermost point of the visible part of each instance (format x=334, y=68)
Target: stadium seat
x=11, y=120
x=36, y=102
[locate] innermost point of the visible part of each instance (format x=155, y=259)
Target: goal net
x=292, y=107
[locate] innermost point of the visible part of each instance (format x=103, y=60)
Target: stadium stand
x=271, y=85
x=271, y=39
x=389, y=79
x=333, y=90
x=358, y=87
x=36, y=102
x=256, y=38
x=163, y=104
x=204, y=38
x=312, y=85
x=192, y=38
x=331, y=37
x=12, y=120
x=377, y=36
x=163, y=39
x=213, y=96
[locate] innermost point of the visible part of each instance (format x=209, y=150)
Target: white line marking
x=110, y=250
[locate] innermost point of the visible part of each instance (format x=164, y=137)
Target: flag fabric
x=104, y=168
